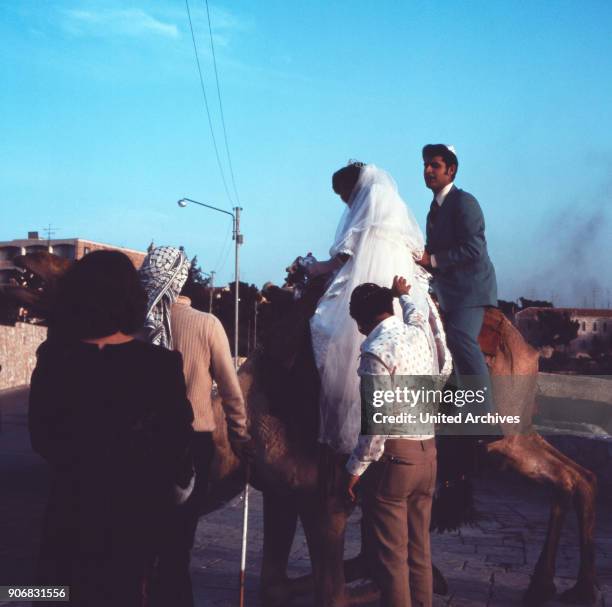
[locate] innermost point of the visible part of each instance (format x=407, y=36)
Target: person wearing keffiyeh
x=201, y=339
x=163, y=274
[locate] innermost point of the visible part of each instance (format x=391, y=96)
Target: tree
x=196, y=287
x=555, y=329
x=249, y=296
x=509, y=308
x=196, y=275
x=534, y=303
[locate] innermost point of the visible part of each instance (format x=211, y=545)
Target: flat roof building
x=594, y=325
x=68, y=248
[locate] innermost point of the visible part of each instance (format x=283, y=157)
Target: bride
x=377, y=238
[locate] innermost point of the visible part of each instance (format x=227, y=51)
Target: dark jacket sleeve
x=469, y=232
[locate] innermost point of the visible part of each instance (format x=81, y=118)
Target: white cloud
x=226, y=25
x=113, y=22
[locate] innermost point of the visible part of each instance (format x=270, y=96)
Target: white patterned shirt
x=392, y=348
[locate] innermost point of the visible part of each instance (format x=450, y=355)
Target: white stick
x=245, y=528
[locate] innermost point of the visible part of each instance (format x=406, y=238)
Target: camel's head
x=277, y=302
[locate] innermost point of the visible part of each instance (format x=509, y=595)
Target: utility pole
x=255, y=324
x=239, y=239
x=211, y=290
x=249, y=337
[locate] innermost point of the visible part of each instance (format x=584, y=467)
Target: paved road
x=486, y=565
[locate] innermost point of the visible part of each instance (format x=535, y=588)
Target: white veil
x=382, y=238
x=375, y=204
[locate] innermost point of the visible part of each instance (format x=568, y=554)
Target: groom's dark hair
x=439, y=149
x=368, y=301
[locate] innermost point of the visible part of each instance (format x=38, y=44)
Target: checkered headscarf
x=163, y=274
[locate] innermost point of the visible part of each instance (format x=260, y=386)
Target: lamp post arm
x=208, y=206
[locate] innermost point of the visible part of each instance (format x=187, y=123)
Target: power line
x=212, y=132
x=221, y=261
x=223, y=251
x=229, y=159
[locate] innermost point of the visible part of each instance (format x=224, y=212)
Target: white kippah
x=451, y=148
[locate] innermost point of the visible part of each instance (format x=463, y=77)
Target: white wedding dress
x=382, y=239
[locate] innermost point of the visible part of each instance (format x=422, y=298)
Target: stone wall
x=18, y=346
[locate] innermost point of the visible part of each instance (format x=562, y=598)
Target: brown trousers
x=397, y=500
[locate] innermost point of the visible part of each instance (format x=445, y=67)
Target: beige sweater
x=202, y=341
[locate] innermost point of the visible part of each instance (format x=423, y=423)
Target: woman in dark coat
x=111, y=416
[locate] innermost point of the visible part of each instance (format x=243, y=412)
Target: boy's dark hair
x=439, y=149
x=98, y=296
x=368, y=301
x=345, y=179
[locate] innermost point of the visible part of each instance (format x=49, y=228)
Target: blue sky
x=102, y=125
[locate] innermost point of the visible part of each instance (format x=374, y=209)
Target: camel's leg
x=328, y=565
x=324, y=522
x=307, y=512
x=329, y=591
x=542, y=586
x=528, y=456
x=326, y=543
x=588, y=474
x=440, y=585
x=356, y=568
x=584, y=590
x=280, y=520
x=584, y=503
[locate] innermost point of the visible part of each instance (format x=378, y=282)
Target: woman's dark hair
x=345, y=179
x=439, y=149
x=369, y=301
x=98, y=296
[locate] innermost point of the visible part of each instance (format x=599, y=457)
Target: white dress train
x=382, y=239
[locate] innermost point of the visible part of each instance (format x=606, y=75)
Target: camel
x=513, y=366
x=280, y=385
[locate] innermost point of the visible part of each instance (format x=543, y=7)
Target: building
x=594, y=326
x=69, y=248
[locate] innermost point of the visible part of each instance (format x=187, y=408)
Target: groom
x=456, y=254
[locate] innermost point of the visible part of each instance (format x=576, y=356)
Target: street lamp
x=238, y=239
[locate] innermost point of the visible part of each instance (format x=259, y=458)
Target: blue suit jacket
x=464, y=276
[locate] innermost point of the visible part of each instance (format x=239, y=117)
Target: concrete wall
x=18, y=346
